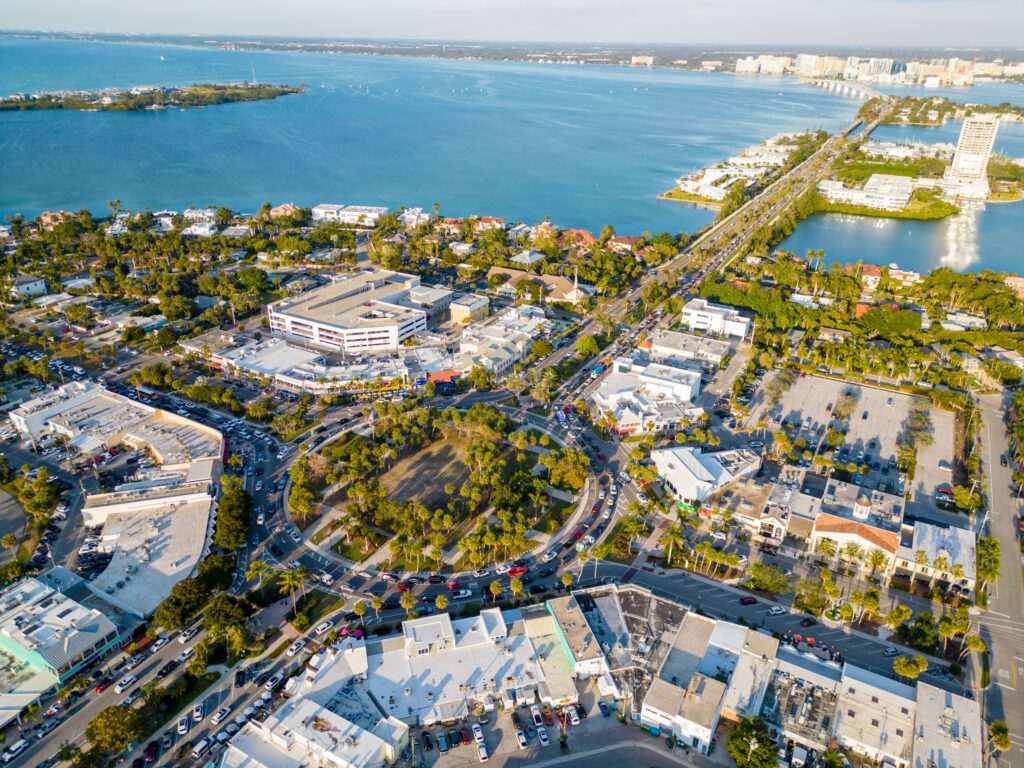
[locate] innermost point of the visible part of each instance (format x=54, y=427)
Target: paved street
x=1002, y=625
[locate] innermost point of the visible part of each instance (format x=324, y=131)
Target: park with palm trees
x=437, y=490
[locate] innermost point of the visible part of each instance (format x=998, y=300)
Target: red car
x=454, y=585
x=402, y=586
x=519, y=570
x=103, y=684
x=748, y=600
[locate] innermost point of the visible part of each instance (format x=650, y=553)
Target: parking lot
x=877, y=420
x=501, y=741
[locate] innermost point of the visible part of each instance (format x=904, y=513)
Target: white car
x=502, y=569
x=461, y=594
x=478, y=733
x=481, y=752
x=776, y=610
x=480, y=574
x=125, y=684
x=199, y=712
x=549, y=556
x=183, y=726
x=521, y=738
x=323, y=626
x=294, y=564
x=188, y=634
x=535, y=714
x=186, y=655
x=542, y=734
x=297, y=646
x=261, y=519
x=259, y=486
x=607, y=513
x=220, y=715
x=891, y=652
x=641, y=497
x=327, y=579
x=574, y=718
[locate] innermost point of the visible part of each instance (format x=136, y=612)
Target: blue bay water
x=584, y=145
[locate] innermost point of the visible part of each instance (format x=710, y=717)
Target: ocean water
x=586, y=146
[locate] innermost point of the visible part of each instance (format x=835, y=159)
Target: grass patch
x=360, y=547
x=287, y=437
x=924, y=205
x=322, y=534
x=316, y=604
x=986, y=674
x=619, y=546
x=424, y=475
x=174, y=698
x=266, y=594
x=857, y=171
x=278, y=649
x=686, y=197
x=557, y=512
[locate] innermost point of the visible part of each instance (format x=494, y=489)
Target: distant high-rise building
x=967, y=176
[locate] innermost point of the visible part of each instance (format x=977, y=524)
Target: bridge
x=847, y=88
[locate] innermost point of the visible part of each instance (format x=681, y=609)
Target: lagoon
x=981, y=236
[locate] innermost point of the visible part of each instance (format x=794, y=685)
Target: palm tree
x=259, y=570
x=674, y=537
x=877, y=559
x=583, y=558
x=566, y=579
x=599, y=553
x=939, y=566
x=516, y=588
x=853, y=552
x=920, y=561
x=495, y=588
x=359, y=609
x=408, y=602
x=826, y=548
x=291, y=581
x=441, y=602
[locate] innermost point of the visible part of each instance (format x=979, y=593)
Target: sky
x=959, y=23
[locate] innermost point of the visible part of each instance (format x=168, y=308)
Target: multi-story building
x=702, y=315
x=469, y=309
x=967, y=175
x=52, y=626
x=355, y=215
x=27, y=286
x=157, y=525
x=502, y=342
x=691, y=475
x=882, y=191
x=875, y=717
x=367, y=311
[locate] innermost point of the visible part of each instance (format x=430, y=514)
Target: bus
x=147, y=394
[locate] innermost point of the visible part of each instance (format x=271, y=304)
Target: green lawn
x=619, y=549
x=686, y=197
x=924, y=205
x=316, y=604
x=860, y=170
x=361, y=547
x=169, y=705
x=558, y=511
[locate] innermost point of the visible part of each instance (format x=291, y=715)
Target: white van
x=200, y=748
x=14, y=750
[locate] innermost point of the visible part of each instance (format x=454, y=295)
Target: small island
x=149, y=97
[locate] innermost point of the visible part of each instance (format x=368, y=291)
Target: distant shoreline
x=146, y=98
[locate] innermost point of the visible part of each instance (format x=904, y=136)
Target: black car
x=581, y=711
x=166, y=669
x=276, y=551
x=240, y=678
x=807, y=621
x=545, y=572
x=351, y=616
x=391, y=603
x=138, y=762
x=537, y=589
x=436, y=579
x=453, y=738
x=428, y=743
